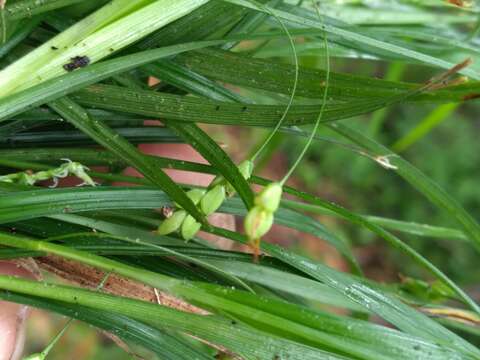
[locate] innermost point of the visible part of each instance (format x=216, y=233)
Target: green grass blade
x=190, y=81
x=186, y=109
x=17, y=160
x=20, y=205
x=18, y=36
x=419, y=181
x=201, y=24
x=208, y=298
x=65, y=84
x=112, y=141
x=408, y=227
x=273, y=76
x=287, y=283
x=24, y=205
x=418, y=229
x=389, y=308
x=109, y=29
x=162, y=343
x=16, y=10
x=178, y=287
x=135, y=135
x=242, y=340
x=359, y=38
x=365, y=341
x=390, y=238
x=87, y=156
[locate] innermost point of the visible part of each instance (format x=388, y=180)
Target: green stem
x=294, y=89
x=319, y=118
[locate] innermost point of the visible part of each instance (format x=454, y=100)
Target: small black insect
x=77, y=62
x=53, y=47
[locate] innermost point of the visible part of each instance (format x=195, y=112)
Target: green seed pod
x=190, y=227
x=257, y=222
x=219, y=180
x=173, y=223
x=269, y=198
x=246, y=169
x=213, y=199
x=195, y=195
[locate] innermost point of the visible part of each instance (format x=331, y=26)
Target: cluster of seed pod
x=64, y=170
x=260, y=218
x=208, y=200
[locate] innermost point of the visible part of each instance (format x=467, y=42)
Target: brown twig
x=89, y=277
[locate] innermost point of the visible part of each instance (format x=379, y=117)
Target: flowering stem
x=322, y=109
x=294, y=88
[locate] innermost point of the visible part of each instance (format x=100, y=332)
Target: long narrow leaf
x=112, y=141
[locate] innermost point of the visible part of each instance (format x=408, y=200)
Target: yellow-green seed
x=173, y=223
x=218, y=180
x=213, y=199
x=190, y=227
x=269, y=198
x=195, y=195
x=257, y=222
x=246, y=168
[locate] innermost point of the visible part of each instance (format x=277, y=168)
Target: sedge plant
x=74, y=99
